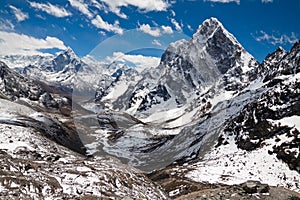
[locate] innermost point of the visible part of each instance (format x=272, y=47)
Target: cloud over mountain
x=51, y=9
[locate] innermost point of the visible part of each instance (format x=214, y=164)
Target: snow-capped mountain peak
x=211, y=44
x=187, y=67
x=280, y=48
x=56, y=70
x=70, y=52
x=210, y=28
x=278, y=54
x=296, y=48
x=208, y=55
x=66, y=59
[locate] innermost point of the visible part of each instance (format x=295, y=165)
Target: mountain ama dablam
x=209, y=116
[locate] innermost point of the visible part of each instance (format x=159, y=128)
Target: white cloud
x=82, y=7
x=19, y=14
x=98, y=5
x=275, y=40
x=140, y=61
x=156, y=42
x=173, y=13
x=155, y=23
x=143, y=5
x=224, y=1
x=166, y=29
x=51, y=9
x=100, y=23
x=190, y=28
x=267, y=1
x=155, y=32
x=40, y=16
x=20, y=44
x=176, y=25
x=102, y=33
x=6, y=25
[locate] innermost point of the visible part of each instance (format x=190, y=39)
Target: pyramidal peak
x=274, y=57
x=67, y=56
x=69, y=52
x=211, y=45
x=211, y=27
x=280, y=49
x=211, y=23
x=296, y=46
x=210, y=31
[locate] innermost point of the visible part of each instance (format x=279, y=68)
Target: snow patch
x=292, y=121
x=229, y=165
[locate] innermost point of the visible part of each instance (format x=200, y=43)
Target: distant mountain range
x=208, y=114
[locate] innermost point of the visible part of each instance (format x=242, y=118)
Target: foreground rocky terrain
x=35, y=166
x=209, y=122
x=250, y=190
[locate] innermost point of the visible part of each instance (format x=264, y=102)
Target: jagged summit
x=280, y=48
x=210, y=28
x=59, y=69
x=276, y=56
x=69, y=52
x=211, y=23
x=213, y=20
x=66, y=58
x=210, y=52
x=296, y=46
x=188, y=66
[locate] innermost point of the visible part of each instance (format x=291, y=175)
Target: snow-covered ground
x=229, y=165
x=292, y=121
x=36, y=167
x=178, y=109
x=33, y=166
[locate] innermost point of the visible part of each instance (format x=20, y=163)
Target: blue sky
x=35, y=27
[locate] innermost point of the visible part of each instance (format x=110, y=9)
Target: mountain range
x=209, y=116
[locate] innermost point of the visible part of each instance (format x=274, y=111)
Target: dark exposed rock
x=253, y=125
x=251, y=187
x=15, y=87
x=153, y=98
x=247, y=191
